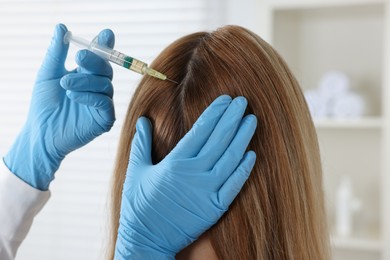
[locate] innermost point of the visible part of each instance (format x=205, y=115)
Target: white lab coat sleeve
x=19, y=203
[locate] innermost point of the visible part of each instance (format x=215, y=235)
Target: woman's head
x=279, y=214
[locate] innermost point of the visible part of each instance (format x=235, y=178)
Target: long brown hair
x=279, y=213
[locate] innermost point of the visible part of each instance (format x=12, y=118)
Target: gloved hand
x=168, y=205
x=67, y=110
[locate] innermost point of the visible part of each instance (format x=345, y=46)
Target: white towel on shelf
x=334, y=98
x=333, y=84
x=349, y=105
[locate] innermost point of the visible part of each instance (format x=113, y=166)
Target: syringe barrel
x=93, y=46
x=134, y=64
x=110, y=54
x=117, y=57
x=101, y=51
x=69, y=37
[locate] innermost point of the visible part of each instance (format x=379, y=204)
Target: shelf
x=299, y=34
x=350, y=36
x=361, y=123
x=306, y=4
x=357, y=244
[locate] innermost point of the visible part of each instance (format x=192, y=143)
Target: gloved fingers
x=141, y=146
x=190, y=145
x=234, y=153
x=96, y=100
x=234, y=183
x=53, y=65
x=102, y=103
x=91, y=63
x=223, y=133
x=82, y=82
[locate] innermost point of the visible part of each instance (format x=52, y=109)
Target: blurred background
x=337, y=49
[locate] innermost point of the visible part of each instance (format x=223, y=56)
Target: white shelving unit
x=368, y=245
x=352, y=36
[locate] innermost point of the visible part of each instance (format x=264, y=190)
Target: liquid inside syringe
x=114, y=56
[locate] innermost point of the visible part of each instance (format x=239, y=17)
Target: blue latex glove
x=67, y=110
x=168, y=205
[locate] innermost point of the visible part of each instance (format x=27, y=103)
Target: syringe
x=114, y=56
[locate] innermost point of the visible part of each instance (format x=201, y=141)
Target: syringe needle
x=172, y=81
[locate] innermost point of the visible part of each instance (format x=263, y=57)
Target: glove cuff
x=29, y=161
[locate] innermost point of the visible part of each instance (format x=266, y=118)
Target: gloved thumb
x=53, y=65
x=141, y=147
